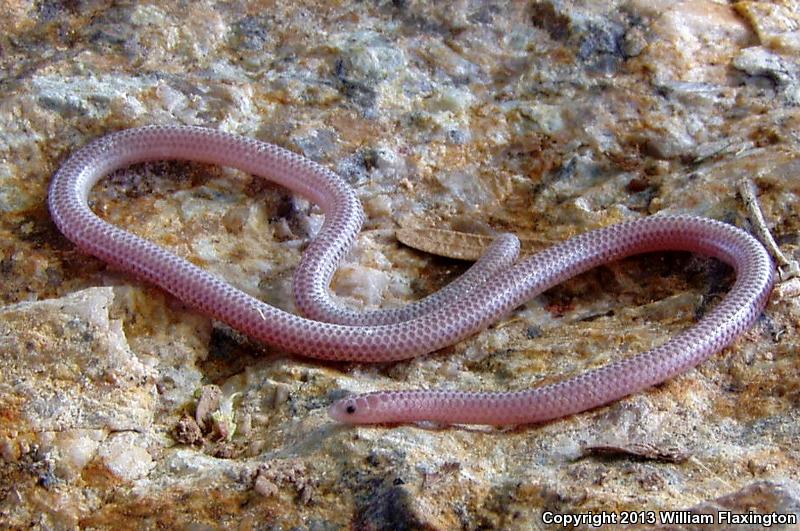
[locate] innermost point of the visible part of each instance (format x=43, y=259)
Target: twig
x=786, y=268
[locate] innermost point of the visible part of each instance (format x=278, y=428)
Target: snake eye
x=350, y=409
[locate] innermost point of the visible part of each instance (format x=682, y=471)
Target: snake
x=488, y=291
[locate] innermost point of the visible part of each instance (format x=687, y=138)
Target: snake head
x=361, y=409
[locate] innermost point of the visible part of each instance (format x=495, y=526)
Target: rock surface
x=543, y=118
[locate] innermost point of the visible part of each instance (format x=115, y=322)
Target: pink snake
x=493, y=287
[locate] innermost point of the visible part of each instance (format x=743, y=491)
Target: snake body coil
x=489, y=290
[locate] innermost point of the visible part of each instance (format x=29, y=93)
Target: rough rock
x=544, y=118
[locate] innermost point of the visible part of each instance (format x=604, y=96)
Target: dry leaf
x=458, y=245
